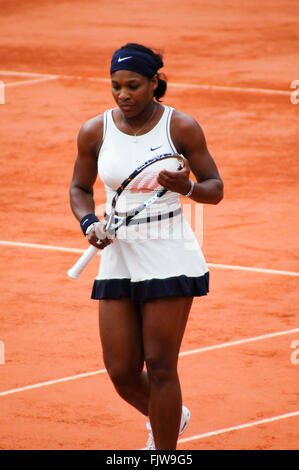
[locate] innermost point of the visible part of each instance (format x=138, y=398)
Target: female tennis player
x=146, y=283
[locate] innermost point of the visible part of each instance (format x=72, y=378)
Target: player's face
x=132, y=91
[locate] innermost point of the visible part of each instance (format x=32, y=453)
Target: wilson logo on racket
x=145, y=182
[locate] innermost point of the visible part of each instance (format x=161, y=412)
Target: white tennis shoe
x=185, y=418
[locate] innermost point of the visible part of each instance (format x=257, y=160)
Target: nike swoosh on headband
x=120, y=59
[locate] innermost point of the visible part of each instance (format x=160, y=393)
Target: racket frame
x=89, y=254
x=111, y=227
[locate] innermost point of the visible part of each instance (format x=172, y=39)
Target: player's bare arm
x=84, y=176
x=85, y=169
x=190, y=141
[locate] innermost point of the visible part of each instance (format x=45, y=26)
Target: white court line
x=182, y=354
x=231, y=88
x=239, y=426
x=52, y=382
x=28, y=82
x=256, y=270
x=25, y=74
x=212, y=265
x=240, y=341
x=176, y=85
x=41, y=247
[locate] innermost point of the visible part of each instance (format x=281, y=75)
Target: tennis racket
x=142, y=181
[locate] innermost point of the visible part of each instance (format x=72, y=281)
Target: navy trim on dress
x=177, y=286
x=168, y=120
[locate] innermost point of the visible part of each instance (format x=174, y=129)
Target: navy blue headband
x=135, y=61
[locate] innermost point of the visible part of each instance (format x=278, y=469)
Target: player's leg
x=121, y=337
x=164, y=322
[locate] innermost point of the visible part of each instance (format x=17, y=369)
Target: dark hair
x=157, y=56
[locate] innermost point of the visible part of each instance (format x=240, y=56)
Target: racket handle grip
x=82, y=262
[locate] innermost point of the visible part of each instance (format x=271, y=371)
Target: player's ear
x=154, y=82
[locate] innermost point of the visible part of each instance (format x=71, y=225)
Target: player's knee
x=160, y=371
x=120, y=376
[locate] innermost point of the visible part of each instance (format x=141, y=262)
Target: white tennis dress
x=148, y=259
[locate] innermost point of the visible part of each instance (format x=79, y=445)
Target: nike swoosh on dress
x=155, y=148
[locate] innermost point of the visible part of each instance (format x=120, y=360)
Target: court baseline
x=45, y=77
x=80, y=251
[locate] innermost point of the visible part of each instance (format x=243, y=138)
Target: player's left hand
x=176, y=181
